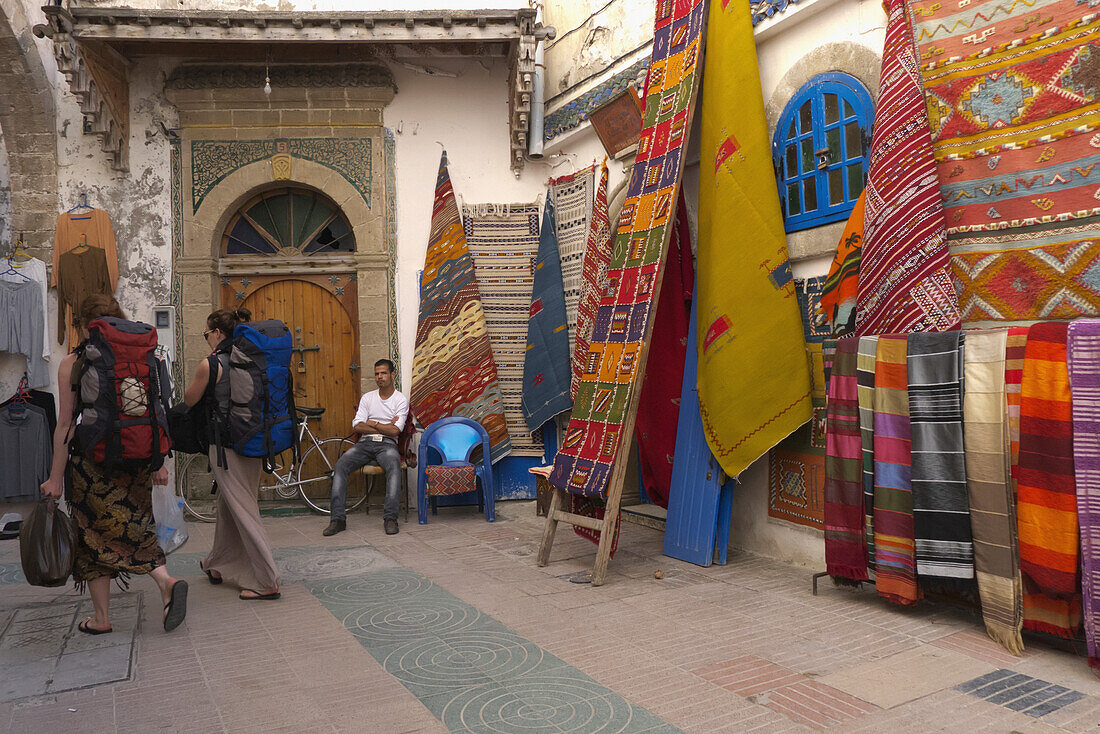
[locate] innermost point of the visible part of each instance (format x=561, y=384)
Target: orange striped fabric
x=1046, y=509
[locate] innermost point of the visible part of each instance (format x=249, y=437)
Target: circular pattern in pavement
x=377, y=588
x=413, y=619
x=463, y=659
x=331, y=564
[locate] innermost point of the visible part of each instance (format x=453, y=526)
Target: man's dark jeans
x=384, y=453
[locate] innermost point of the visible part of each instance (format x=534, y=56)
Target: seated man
x=379, y=421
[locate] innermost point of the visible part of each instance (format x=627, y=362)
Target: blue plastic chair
x=452, y=440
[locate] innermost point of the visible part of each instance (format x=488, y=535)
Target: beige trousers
x=241, y=552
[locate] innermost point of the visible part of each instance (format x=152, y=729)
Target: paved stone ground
x=450, y=627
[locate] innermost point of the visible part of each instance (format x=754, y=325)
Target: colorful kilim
x=659, y=405
x=845, y=550
x=504, y=242
x=865, y=380
x=904, y=283
x=453, y=371
x=941, y=509
x=572, y=196
x=754, y=388
x=606, y=394
x=448, y=480
x=597, y=256
x=1046, y=496
x=546, y=367
x=838, y=297
x=992, y=503
x=808, y=293
x=796, y=487
x=895, y=554
x=1083, y=353
x=1015, y=342
x=1011, y=95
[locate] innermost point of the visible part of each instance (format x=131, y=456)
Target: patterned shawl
x=895, y=556
x=838, y=297
x=453, y=369
x=597, y=256
x=572, y=198
x=1083, y=351
x=992, y=505
x=845, y=551
x=865, y=378
x=1046, y=495
x=1014, y=374
x=941, y=510
x=904, y=283
x=546, y=363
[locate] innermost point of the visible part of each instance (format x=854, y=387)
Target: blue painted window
x=822, y=151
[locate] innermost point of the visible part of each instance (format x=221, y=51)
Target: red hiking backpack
x=123, y=395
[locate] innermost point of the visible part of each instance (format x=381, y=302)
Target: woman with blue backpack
x=109, y=447
x=241, y=552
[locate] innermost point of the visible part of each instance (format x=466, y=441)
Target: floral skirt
x=116, y=533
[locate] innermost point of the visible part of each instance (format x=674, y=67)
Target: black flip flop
x=83, y=627
x=259, y=597
x=214, y=580
x=176, y=607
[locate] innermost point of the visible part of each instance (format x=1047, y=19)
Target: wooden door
x=326, y=377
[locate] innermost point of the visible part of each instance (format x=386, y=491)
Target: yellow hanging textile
x=754, y=384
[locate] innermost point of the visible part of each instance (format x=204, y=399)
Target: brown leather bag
x=46, y=541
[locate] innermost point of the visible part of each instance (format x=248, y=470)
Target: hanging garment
x=1046, y=495
x=838, y=296
x=606, y=397
x=1015, y=342
x=904, y=283
x=504, y=241
x=941, y=510
x=865, y=381
x=86, y=227
x=21, y=328
x=597, y=256
x=1083, y=353
x=989, y=487
x=659, y=404
x=26, y=451
x=828, y=352
x=895, y=537
x=81, y=273
x=546, y=367
x=754, y=384
x=453, y=370
x=845, y=550
x=35, y=270
x=42, y=400
x=572, y=196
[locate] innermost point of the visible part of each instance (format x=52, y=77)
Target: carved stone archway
x=27, y=118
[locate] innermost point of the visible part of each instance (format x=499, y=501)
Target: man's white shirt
x=374, y=408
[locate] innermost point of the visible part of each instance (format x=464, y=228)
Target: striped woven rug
x=572, y=196
x=504, y=242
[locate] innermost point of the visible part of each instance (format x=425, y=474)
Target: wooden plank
x=585, y=522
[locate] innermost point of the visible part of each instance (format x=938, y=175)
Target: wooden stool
x=373, y=470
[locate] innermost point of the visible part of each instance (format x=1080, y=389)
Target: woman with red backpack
x=112, y=457
x=241, y=552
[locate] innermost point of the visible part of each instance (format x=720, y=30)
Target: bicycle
x=311, y=474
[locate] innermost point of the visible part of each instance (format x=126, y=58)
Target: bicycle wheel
x=195, y=484
x=315, y=476
x=280, y=484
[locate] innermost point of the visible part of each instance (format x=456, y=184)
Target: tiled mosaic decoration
x=1020, y=692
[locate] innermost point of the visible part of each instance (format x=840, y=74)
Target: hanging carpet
x=606, y=394
x=453, y=370
x=865, y=381
x=1083, y=352
x=838, y=297
x=1046, y=496
x=1011, y=97
x=904, y=283
x=597, y=256
x=992, y=502
x=546, y=368
x=504, y=242
x=572, y=196
x=845, y=550
x=754, y=385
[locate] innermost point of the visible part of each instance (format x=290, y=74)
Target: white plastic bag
x=168, y=512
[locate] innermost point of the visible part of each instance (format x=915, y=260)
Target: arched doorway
x=271, y=243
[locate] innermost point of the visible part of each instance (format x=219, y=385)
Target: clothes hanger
x=13, y=268
x=83, y=244
x=19, y=252
x=82, y=205
x=17, y=410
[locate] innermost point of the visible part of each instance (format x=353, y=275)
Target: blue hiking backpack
x=261, y=410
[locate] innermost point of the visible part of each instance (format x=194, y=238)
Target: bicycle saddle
x=309, y=411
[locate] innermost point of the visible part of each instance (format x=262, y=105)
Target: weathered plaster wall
x=6, y=234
